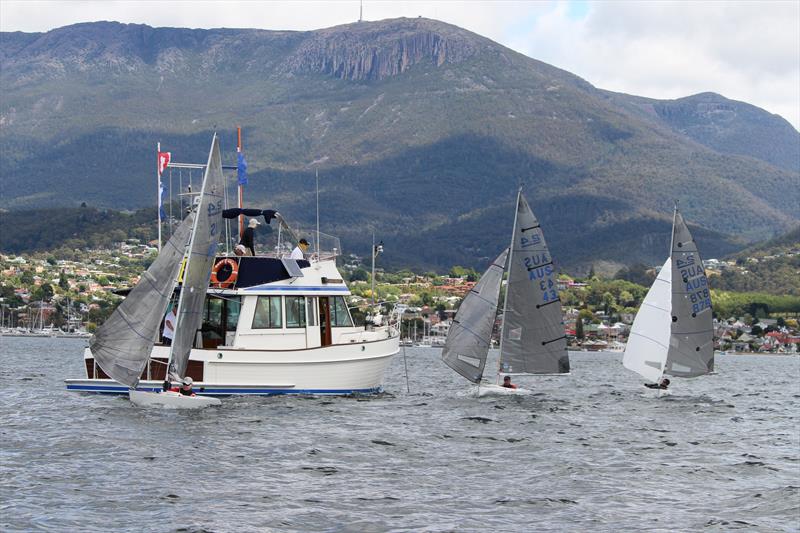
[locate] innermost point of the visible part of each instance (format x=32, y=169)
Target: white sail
x=200, y=259
x=533, y=339
x=468, y=339
x=122, y=345
x=648, y=342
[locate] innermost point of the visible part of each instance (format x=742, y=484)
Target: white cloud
x=747, y=51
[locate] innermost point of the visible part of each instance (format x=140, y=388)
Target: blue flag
x=161, y=214
x=241, y=170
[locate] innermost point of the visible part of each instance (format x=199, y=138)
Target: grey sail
x=200, y=259
x=533, y=339
x=122, y=345
x=691, y=344
x=469, y=337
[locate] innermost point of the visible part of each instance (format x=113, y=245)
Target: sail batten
x=533, y=339
x=200, y=259
x=469, y=338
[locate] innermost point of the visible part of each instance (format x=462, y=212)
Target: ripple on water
x=587, y=451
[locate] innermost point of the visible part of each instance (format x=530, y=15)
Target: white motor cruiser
x=258, y=325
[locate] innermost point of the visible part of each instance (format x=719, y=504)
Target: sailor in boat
x=299, y=250
x=186, y=387
x=169, y=326
x=663, y=384
x=248, y=237
x=507, y=383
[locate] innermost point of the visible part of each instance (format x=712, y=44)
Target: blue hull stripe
x=211, y=391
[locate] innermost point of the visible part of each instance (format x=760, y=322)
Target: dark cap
x=303, y=241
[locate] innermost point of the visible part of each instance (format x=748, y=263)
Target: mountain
x=724, y=125
x=421, y=132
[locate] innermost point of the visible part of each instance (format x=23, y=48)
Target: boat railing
x=279, y=241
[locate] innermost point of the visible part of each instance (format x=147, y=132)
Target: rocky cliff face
x=360, y=51
x=374, y=52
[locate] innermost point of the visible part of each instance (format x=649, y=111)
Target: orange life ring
x=220, y=266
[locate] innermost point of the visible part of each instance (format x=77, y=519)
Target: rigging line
x=649, y=338
x=481, y=298
x=539, y=306
x=554, y=340
x=540, y=266
x=465, y=328
x=170, y=203
x=405, y=364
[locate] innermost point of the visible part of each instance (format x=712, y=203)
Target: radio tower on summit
x=361, y=11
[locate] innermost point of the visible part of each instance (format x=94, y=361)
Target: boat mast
x=672, y=236
x=158, y=192
x=671, y=248
x=316, y=176
x=240, y=187
x=508, y=281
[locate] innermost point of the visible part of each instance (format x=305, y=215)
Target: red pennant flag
x=163, y=161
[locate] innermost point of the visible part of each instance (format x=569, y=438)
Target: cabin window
x=295, y=311
x=232, y=308
x=312, y=311
x=268, y=313
x=220, y=317
x=340, y=316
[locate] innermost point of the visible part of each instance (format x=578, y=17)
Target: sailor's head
x=187, y=382
x=507, y=379
x=253, y=223
x=303, y=244
x=665, y=381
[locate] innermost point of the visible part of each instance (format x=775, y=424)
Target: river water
x=592, y=451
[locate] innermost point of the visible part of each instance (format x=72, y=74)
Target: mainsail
x=122, y=345
x=533, y=339
x=200, y=259
x=691, y=345
x=672, y=333
x=470, y=334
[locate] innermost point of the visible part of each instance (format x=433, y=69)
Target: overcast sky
x=747, y=51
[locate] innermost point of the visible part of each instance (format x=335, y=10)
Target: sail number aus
x=694, y=278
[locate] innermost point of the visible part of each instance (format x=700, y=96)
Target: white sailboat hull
x=498, y=390
x=171, y=400
x=336, y=369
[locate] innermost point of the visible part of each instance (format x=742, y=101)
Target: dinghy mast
x=200, y=256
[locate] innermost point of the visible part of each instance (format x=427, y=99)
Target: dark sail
x=533, y=338
x=470, y=334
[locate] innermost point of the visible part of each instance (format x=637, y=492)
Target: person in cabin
x=300, y=250
x=663, y=384
x=169, y=326
x=507, y=383
x=248, y=237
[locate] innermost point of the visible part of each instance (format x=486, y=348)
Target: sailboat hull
x=497, y=390
x=171, y=400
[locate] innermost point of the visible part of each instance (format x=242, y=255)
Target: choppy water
x=588, y=452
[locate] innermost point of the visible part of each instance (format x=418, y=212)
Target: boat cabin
x=269, y=303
